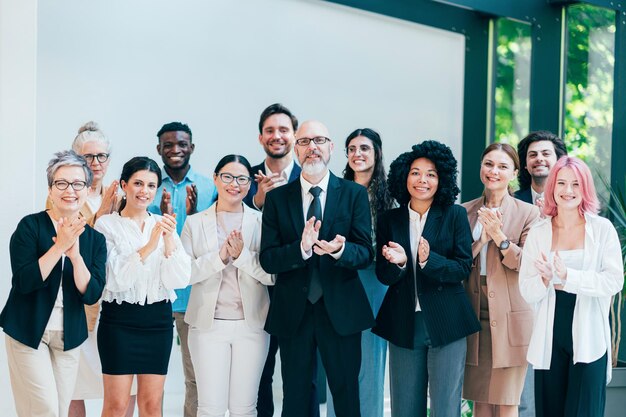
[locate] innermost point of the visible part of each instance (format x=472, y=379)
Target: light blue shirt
x=207, y=194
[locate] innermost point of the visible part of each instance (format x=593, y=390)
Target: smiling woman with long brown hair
x=146, y=263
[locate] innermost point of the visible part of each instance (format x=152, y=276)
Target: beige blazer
x=199, y=239
x=510, y=317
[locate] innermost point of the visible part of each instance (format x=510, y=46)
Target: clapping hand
x=423, y=250
x=559, y=267
x=234, y=244
x=109, y=200
x=395, y=254
x=166, y=202
x=310, y=233
x=191, y=202
x=323, y=247
x=545, y=269
x=491, y=221
x=67, y=236
x=266, y=183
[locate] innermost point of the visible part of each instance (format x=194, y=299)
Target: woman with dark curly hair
x=364, y=150
x=496, y=357
x=424, y=255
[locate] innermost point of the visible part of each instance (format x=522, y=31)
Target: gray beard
x=313, y=169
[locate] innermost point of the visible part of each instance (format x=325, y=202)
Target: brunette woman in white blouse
x=229, y=299
x=571, y=267
x=146, y=262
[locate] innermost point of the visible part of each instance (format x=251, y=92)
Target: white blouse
x=128, y=278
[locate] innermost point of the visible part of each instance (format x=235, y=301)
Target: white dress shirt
x=307, y=198
x=417, y=223
x=535, y=195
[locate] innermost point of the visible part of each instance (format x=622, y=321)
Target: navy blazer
x=525, y=195
x=447, y=312
x=346, y=212
x=31, y=299
x=254, y=187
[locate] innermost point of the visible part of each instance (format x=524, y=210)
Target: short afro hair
x=445, y=163
x=175, y=127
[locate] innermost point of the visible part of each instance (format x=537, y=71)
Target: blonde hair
x=89, y=132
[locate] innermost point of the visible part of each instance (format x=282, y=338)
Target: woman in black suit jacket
x=424, y=256
x=58, y=265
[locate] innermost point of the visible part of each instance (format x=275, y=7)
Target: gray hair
x=89, y=132
x=68, y=159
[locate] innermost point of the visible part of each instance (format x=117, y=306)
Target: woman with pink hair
x=571, y=267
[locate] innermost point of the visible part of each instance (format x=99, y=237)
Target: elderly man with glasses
x=316, y=236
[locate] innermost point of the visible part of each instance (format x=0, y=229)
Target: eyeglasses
x=318, y=140
x=228, y=178
x=351, y=150
x=101, y=157
x=62, y=185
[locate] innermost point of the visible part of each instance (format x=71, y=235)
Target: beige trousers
x=190, y=408
x=42, y=379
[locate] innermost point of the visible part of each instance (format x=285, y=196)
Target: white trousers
x=42, y=379
x=228, y=361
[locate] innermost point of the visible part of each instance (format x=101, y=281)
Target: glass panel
x=512, y=89
x=589, y=86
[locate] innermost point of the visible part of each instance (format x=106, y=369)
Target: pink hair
x=589, y=203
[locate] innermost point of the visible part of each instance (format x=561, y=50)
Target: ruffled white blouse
x=128, y=278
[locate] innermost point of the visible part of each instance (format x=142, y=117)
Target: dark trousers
x=341, y=357
x=265, y=398
x=568, y=389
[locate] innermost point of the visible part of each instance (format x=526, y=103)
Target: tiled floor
x=175, y=395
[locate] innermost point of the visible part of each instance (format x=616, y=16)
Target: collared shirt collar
x=189, y=177
x=287, y=170
x=414, y=216
x=535, y=194
x=323, y=184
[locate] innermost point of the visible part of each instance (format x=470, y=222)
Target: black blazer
x=254, y=187
x=524, y=195
x=447, y=312
x=31, y=299
x=347, y=213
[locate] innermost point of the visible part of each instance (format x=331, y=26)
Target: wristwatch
x=504, y=244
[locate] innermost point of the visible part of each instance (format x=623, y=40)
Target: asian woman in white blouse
x=229, y=299
x=146, y=262
x=571, y=267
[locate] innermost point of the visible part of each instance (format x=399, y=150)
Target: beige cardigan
x=510, y=317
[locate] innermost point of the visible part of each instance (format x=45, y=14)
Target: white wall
x=214, y=64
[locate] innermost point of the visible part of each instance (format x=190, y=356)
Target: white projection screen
x=134, y=65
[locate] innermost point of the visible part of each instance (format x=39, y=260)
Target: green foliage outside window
x=590, y=61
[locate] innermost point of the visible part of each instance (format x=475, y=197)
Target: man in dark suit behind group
x=277, y=129
x=316, y=235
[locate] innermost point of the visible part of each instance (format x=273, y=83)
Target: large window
x=512, y=80
x=589, y=85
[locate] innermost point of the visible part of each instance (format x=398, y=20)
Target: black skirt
x=135, y=339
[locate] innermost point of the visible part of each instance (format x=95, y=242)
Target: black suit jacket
x=524, y=195
x=254, y=187
x=346, y=213
x=31, y=299
x=447, y=312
